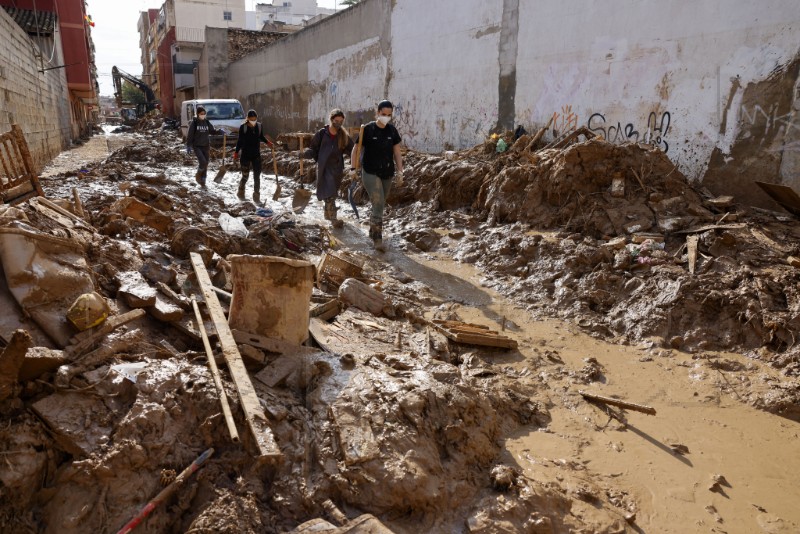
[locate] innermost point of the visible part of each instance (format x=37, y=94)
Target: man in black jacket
x=251, y=135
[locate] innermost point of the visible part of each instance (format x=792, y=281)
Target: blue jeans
x=378, y=189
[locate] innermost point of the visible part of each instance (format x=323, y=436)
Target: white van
x=224, y=113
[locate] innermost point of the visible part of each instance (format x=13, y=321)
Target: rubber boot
x=198, y=177
x=335, y=221
x=257, y=197
x=376, y=234
x=240, y=192
x=326, y=210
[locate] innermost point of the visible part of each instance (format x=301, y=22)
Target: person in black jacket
x=251, y=135
x=381, y=161
x=327, y=148
x=197, y=138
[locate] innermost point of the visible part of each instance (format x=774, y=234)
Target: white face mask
x=201, y=116
x=251, y=123
x=384, y=120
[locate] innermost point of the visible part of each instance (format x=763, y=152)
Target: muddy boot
x=256, y=197
x=326, y=211
x=198, y=177
x=240, y=192
x=376, y=234
x=335, y=221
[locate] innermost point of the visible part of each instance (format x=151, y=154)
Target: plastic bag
x=501, y=145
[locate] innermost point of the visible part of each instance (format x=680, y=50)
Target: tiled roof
x=27, y=20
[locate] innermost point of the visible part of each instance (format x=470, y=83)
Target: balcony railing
x=190, y=35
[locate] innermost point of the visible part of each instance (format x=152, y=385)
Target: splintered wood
x=254, y=413
x=473, y=334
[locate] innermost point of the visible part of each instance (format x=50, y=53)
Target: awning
x=35, y=23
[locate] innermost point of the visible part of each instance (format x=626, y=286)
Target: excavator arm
x=119, y=75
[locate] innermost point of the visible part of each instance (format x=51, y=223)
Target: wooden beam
x=212, y=364
x=253, y=412
x=618, y=403
x=691, y=247
x=83, y=340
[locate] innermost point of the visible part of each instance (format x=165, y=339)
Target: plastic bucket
x=271, y=296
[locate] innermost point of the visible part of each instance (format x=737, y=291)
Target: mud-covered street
x=565, y=338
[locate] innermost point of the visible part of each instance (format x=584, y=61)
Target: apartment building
x=180, y=28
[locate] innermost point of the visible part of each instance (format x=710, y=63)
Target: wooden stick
x=691, y=243
x=302, y=175
x=251, y=405
x=78, y=204
x=618, y=403
x=166, y=492
x=212, y=364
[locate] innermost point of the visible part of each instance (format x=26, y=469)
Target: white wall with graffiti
x=714, y=83
x=444, y=72
x=667, y=73
x=351, y=78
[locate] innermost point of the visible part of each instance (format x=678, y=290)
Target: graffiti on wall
x=756, y=118
x=564, y=121
x=654, y=132
x=281, y=112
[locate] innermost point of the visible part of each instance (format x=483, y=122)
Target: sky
x=116, y=39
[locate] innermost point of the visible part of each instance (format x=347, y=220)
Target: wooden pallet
x=18, y=179
x=473, y=334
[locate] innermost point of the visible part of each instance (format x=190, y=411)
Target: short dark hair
x=252, y=113
x=385, y=104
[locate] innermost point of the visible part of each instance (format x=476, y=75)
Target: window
x=227, y=15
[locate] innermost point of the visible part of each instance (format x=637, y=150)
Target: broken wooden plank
x=327, y=310
x=180, y=300
x=55, y=207
x=84, y=340
x=701, y=229
x=618, y=403
x=212, y=364
x=770, y=243
x=794, y=261
x=144, y=213
x=473, y=334
x=254, y=413
x=263, y=342
x=691, y=247
x=783, y=195
x=325, y=334
x=278, y=371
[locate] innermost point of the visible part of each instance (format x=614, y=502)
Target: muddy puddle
x=387, y=422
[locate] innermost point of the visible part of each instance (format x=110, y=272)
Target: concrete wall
x=342, y=61
x=38, y=102
x=715, y=84
x=212, y=72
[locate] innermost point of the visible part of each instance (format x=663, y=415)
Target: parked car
x=224, y=113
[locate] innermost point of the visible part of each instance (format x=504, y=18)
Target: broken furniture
x=473, y=334
x=18, y=181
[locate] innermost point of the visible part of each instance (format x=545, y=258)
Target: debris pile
x=105, y=404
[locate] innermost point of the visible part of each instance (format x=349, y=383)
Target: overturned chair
x=18, y=180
